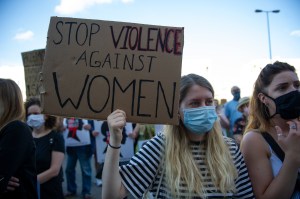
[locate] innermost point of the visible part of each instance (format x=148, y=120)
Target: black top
x=44, y=146
x=280, y=154
x=17, y=157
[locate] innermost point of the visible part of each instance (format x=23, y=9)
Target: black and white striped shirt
x=138, y=175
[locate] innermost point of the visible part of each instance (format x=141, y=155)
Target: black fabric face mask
x=287, y=105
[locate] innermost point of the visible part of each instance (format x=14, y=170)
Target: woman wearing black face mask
x=271, y=144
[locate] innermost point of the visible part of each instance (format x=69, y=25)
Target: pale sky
x=225, y=41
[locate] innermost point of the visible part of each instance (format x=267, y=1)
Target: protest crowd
x=161, y=161
x=171, y=138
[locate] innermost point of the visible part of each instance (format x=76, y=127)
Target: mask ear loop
x=266, y=109
x=178, y=115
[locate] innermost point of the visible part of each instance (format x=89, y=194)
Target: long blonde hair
x=12, y=102
x=180, y=164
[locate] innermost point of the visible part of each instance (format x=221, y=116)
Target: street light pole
x=269, y=37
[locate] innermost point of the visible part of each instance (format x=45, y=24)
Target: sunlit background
x=225, y=41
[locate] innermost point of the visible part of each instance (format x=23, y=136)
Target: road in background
x=95, y=190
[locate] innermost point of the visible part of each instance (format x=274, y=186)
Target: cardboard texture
x=93, y=67
x=33, y=62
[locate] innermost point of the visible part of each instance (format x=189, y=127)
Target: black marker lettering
x=85, y=29
x=116, y=43
x=62, y=104
x=93, y=31
x=59, y=32
x=115, y=82
x=70, y=30
x=82, y=57
x=132, y=47
x=160, y=88
x=89, y=95
x=95, y=63
x=140, y=96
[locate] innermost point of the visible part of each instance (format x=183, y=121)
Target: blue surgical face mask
x=200, y=120
x=36, y=121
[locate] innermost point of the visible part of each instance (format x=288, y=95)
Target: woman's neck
x=37, y=133
x=196, y=138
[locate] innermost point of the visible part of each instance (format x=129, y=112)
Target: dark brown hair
x=50, y=121
x=259, y=113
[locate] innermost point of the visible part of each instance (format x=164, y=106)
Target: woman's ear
x=262, y=98
x=178, y=115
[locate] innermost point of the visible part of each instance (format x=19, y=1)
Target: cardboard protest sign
x=93, y=67
x=33, y=62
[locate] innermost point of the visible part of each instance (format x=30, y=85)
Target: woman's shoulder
x=16, y=130
x=231, y=143
x=155, y=144
x=56, y=134
x=229, y=140
x=16, y=126
x=159, y=138
x=17, y=123
x=252, y=136
x=254, y=143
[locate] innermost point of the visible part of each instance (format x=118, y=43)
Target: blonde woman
x=189, y=160
x=17, y=150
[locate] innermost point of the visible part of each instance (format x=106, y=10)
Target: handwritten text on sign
x=93, y=67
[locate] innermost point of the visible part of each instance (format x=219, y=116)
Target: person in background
x=222, y=118
x=230, y=109
x=93, y=134
x=159, y=128
x=59, y=126
x=272, y=139
x=17, y=149
x=50, y=149
x=127, y=134
x=189, y=160
x=240, y=124
x=83, y=153
x=143, y=133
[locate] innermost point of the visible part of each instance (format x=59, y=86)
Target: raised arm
x=112, y=184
